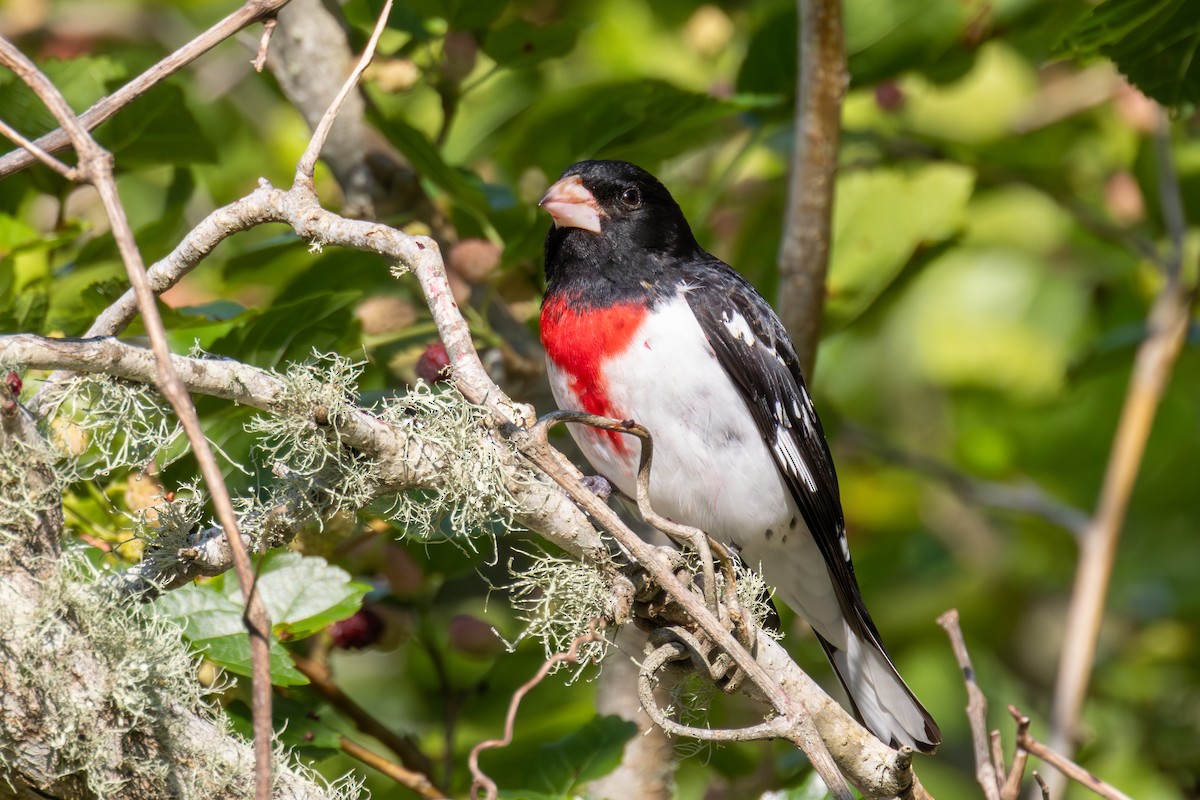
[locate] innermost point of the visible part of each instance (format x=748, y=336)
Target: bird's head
x=616, y=202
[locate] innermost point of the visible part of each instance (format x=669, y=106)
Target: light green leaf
x=303, y=594
x=881, y=219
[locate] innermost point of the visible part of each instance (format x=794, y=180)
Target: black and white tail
x=881, y=699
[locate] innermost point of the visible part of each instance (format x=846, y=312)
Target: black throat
x=597, y=270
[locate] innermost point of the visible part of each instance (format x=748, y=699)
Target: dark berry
x=14, y=383
x=889, y=96
x=474, y=637
x=434, y=364
x=361, y=630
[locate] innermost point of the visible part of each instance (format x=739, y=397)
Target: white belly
x=711, y=468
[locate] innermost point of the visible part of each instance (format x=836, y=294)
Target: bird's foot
x=599, y=486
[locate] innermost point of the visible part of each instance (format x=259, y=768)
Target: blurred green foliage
x=987, y=294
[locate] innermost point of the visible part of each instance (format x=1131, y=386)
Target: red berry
x=434, y=364
x=14, y=383
x=361, y=630
x=889, y=96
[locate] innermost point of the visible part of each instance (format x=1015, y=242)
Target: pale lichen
x=559, y=599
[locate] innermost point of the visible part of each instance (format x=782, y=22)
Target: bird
x=640, y=323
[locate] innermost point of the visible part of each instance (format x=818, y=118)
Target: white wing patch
x=738, y=327
x=785, y=448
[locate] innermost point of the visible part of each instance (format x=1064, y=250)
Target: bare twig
x=1042, y=785
x=804, y=253
x=308, y=161
x=403, y=746
x=260, y=59
x=480, y=779
x=95, y=165
x=1167, y=327
x=985, y=769
x=414, y=781
x=106, y=107
x=677, y=651
x=1060, y=762
x=68, y=172
x=1012, y=784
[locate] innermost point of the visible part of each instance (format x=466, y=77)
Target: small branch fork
x=107, y=107
x=480, y=779
x=989, y=759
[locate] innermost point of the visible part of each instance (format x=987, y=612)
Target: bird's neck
x=584, y=269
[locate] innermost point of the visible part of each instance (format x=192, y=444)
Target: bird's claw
x=598, y=485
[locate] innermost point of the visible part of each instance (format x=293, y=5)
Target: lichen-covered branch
x=96, y=697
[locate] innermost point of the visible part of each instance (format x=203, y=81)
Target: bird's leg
x=745, y=629
x=693, y=537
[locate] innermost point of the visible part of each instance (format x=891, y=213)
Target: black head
x=613, y=215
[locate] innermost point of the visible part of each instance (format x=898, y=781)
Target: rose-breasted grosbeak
x=641, y=323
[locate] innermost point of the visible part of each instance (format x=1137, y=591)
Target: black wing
x=753, y=347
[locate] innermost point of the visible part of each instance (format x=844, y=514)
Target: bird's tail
x=881, y=699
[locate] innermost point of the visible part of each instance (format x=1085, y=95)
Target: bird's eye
x=631, y=197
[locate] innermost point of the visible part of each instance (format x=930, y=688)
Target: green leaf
x=1154, y=43
x=644, y=120
x=303, y=594
x=290, y=331
x=592, y=751
x=212, y=622
x=523, y=44
x=157, y=129
x=462, y=187
x=14, y=234
x=82, y=81
x=882, y=217
x=884, y=38
x=233, y=654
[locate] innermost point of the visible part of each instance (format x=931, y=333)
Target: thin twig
x=106, y=107
x=985, y=769
x=264, y=43
x=1060, y=762
x=403, y=746
x=676, y=651
x=1012, y=784
x=1167, y=327
x=480, y=779
x=415, y=781
x=308, y=161
x=803, y=258
x=95, y=165
x=67, y=171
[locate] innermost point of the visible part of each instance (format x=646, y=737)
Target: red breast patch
x=579, y=340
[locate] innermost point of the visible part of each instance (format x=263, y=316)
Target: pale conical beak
x=572, y=205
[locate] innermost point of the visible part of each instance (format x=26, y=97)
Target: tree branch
x=107, y=107
x=804, y=252
x=96, y=166
x=1167, y=327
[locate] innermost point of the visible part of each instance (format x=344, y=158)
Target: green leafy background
x=984, y=309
